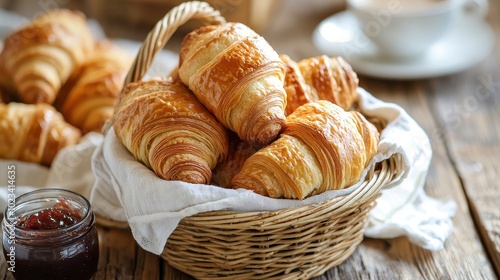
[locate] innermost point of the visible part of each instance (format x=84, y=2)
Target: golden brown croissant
x=40, y=56
x=322, y=148
x=88, y=98
x=165, y=127
x=237, y=75
x=319, y=78
x=34, y=132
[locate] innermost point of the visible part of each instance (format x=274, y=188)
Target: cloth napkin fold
x=125, y=190
x=406, y=210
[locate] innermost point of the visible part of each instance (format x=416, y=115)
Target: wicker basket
x=295, y=243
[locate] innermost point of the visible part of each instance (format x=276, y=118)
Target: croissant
x=322, y=148
x=319, y=78
x=88, y=98
x=40, y=56
x=237, y=75
x=166, y=128
x=34, y=132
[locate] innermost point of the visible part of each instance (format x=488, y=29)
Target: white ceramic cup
x=406, y=29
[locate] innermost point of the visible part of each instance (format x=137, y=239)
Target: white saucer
x=469, y=42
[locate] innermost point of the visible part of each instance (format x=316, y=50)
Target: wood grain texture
x=472, y=135
x=467, y=109
x=121, y=258
x=464, y=250
x=170, y=273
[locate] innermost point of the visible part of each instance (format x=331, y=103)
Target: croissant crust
x=239, y=78
x=322, y=148
x=88, y=98
x=39, y=58
x=165, y=127
x=319, y=78
x=34, y=132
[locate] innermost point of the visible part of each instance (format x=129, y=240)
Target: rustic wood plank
x=170, y=273
x=122, y=258
x=468, y=107
x=468, y=111
x=474, y=142
x=147, y=265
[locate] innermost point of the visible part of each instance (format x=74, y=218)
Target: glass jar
x=50, y=234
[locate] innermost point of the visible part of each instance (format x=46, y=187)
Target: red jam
x=51, y=234
x=60, y=216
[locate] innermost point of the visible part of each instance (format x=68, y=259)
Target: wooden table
x=460, y=113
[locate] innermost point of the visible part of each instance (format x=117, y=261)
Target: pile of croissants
x=233, y=113
x=57, y=82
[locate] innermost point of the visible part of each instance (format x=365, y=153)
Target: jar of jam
x=50, y=234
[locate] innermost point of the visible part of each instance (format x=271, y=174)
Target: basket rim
x=389, y=170
x=283, y=245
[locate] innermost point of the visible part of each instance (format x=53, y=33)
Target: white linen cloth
x=121, y=189
x=406, y=209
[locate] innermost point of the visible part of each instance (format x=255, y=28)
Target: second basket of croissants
x=234, y=113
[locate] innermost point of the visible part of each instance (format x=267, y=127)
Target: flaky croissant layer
x=165, y=127
x=39, y=58
x=319, y=78
x=322, y=148
x=237, y=75
x=89, y=96
x=34, y=132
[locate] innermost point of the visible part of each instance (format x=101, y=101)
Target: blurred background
x=286, y=24
x=289, y=27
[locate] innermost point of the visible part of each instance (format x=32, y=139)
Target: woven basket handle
x=164, y=29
